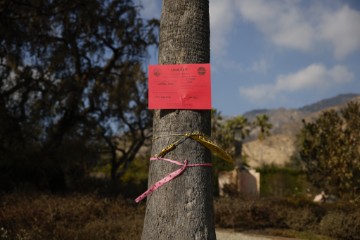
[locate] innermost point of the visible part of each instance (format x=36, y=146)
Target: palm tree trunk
x=182, y=208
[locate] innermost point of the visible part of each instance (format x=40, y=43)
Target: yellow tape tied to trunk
x=201, y=138
x=218, y=151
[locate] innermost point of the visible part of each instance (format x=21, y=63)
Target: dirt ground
x=223, y=234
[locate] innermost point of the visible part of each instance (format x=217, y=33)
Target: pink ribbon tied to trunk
x=169, y=177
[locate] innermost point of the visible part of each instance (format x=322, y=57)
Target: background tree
x=72, y=75
x=262, y=123
x=227, y=132
x=329, y=147
x=183, y=208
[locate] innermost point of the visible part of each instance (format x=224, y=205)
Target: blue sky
x=279, y=53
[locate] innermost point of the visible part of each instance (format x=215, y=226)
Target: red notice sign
x=180, y=86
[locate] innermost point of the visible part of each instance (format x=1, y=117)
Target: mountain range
x=278, y=148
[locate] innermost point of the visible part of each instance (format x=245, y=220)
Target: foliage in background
x=278, y=181
x=223, y=131
x=134, y=181
x=329, y=148
x=72, y=88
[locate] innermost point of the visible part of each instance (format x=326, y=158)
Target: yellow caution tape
x=166, y=150
x=171, y=146
x=201, y=138
x=218, y=151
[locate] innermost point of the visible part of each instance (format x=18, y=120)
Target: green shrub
x=279, y=213
x=301, y=219
x=339, y=220
x=245, y=214
x=341, y=225
x=282, y=181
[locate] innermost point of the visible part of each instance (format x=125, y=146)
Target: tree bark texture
x=182, y=209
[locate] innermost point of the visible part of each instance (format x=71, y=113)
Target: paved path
x=223, y=234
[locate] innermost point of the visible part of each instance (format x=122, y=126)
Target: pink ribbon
x=169, y=177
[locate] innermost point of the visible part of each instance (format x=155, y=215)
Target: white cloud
x=282, y=21
x=260, y=93
x=341, y=75
x=312, y=77
x=341, y=28
x=260, y=66
x=222, y=17
x=293, y=24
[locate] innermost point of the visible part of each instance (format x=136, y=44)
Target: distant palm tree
x=235, y=131
x=239, y=122
x=262, y=122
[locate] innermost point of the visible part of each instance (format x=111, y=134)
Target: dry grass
x=69, y=217
x=299, y=218
x=52, y=217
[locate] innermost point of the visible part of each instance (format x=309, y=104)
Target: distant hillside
x=279, y=147
x=330, y=102
x=286, y=121
x=315, y=107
